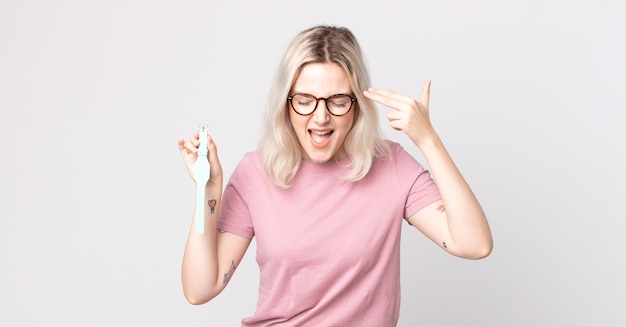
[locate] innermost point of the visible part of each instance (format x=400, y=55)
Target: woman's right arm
x=210, y=259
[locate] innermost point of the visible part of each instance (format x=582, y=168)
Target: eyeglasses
x=305, y=104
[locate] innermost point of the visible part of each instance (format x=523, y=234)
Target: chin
x=318, y=156
x=318, y=159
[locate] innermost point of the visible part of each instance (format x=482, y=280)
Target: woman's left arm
x=457, y=222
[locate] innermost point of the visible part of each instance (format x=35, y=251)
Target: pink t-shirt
x=328, y=249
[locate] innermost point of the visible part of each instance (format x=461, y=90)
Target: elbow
x=480, y=247
x=475, y=251
x=195, y=300
x=198, y=298
x=481, y=252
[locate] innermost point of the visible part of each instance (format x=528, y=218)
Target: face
x=321, y=135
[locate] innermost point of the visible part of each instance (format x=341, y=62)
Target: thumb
x=213, y=157
x=425, y=98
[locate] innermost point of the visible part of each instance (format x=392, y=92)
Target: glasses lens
x=303, y=104
x=339, y=104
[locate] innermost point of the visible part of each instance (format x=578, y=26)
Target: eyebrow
x=350, y=93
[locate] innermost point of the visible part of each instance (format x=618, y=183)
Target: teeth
x=321, y=132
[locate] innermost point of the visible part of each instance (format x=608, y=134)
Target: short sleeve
x=421, y=189
x=234, y=215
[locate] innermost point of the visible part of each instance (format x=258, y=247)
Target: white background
x=95, y=203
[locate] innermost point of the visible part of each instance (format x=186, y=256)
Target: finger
x=390, y=94
x=397, y=124
x=389, y=98
x=425, y=94
x=216, y=167
x=398, y=120
x=185, y=147
x=397, y=115
x=190, y=146
x=194, y=139
x=212, y=147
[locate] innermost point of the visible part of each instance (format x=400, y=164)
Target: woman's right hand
x=189, y=151
x=210, y=257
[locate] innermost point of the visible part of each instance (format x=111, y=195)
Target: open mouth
x=320, y=139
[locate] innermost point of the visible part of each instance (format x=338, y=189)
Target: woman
x=324, y=195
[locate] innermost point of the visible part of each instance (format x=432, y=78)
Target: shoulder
x=389, y=162
x=247, y=166
x=393, y=145
x=396, y=151
x=251, y=158
x=401, y=158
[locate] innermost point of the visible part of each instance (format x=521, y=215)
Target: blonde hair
x=280, y=150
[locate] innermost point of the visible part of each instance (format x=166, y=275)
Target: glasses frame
x=317, y=102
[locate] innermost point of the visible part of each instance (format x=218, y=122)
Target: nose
x=321, y=114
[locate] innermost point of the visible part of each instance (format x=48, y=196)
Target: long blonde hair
x=280, y=150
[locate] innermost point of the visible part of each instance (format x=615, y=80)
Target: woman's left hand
x=409, y=115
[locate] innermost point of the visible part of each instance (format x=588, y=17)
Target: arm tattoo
x=440, y=208
x=212, y=204
x=445, y=245
x=230, y=272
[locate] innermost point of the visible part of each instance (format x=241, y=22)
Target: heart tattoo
x=212, y=204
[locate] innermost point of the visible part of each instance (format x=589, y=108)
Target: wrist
x=429, y=143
